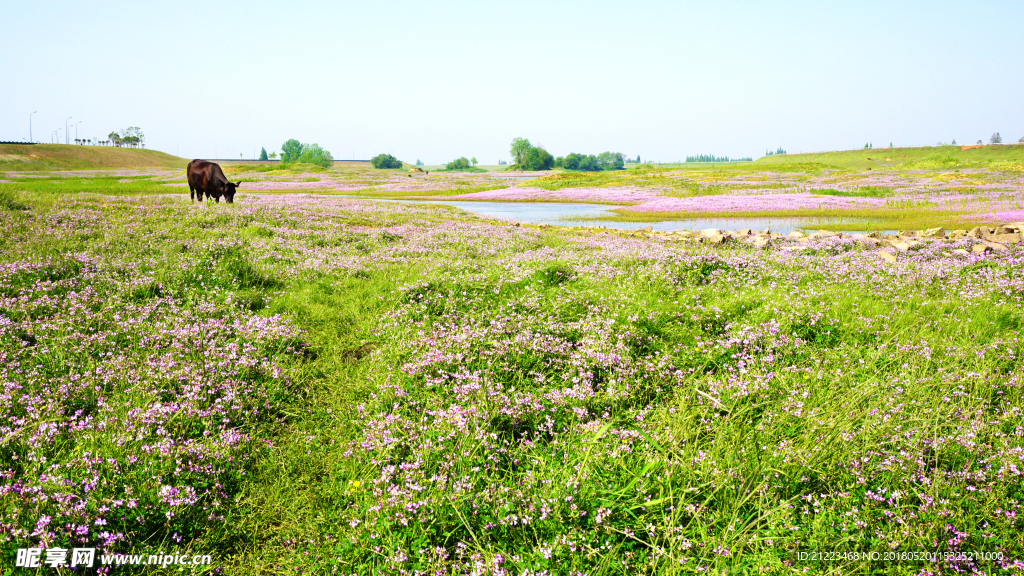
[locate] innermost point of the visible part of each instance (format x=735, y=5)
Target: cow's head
x=229, y=195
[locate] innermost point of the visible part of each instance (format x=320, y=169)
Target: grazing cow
x=207, y=177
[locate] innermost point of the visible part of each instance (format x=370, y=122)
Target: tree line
x=129, y=137
x=713, y=158
x=526, y=156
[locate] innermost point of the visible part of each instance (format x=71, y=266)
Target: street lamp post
x=58, y=135
x=66, y=131
x=30, y=127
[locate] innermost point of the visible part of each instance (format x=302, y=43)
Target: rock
x=907, y=234
x=821, y=234
x=647, y=229
x=934, y=233
x=887, y=256
x=980, y=248
x=1002, y=230
x=760, y=241
x=715, y=239
x=961, y=252
x=874, y=234
x=1006, y=238
x=708, y=232
x=1017, y=227
x=977, y=232
x=995, y=245
x=956, y=234
x=901, y=246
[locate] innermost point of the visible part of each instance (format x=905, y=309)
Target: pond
x=570, y=214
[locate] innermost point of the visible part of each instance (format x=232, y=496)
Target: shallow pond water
x=571, y=214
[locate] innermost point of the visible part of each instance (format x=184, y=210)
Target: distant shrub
x=459, y=164
x=314, y=154
x=295, y=151
x=382, y=161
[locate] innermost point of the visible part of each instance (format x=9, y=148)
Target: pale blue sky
x=438, y=80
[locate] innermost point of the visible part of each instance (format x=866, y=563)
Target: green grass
x=565, y=400
x=112, y=185
x=1010, y=156
x=860, y=191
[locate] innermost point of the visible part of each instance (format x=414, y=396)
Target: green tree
x=263, y=153
x=520, y=148
x=572, y=161
x=382, y=161
x=538, y=159
x=273, y=155
x=290, y=151
x=314, y=154
x=473, y=160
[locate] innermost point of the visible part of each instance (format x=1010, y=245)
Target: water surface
x=571, y=214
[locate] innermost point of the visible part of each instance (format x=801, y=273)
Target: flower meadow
x=318, y=385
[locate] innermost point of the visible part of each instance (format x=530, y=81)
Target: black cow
x=207, y=177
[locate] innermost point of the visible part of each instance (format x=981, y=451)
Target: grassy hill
x=924, y=157
x=18, y=157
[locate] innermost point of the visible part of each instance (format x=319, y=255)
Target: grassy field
x=302, y=385
x=928, y=157
x=17, y=157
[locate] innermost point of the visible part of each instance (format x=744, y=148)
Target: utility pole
x=76, y=130
x=30, y=127
x=66, y=131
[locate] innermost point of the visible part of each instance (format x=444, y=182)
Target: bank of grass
x=910, y=217
x=455, y=190
x=600, y=407
x=1001, y=156
x=276, y=169
x=24, y=157
x=112, y=185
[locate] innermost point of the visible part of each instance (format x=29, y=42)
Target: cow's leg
x=192, y=193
